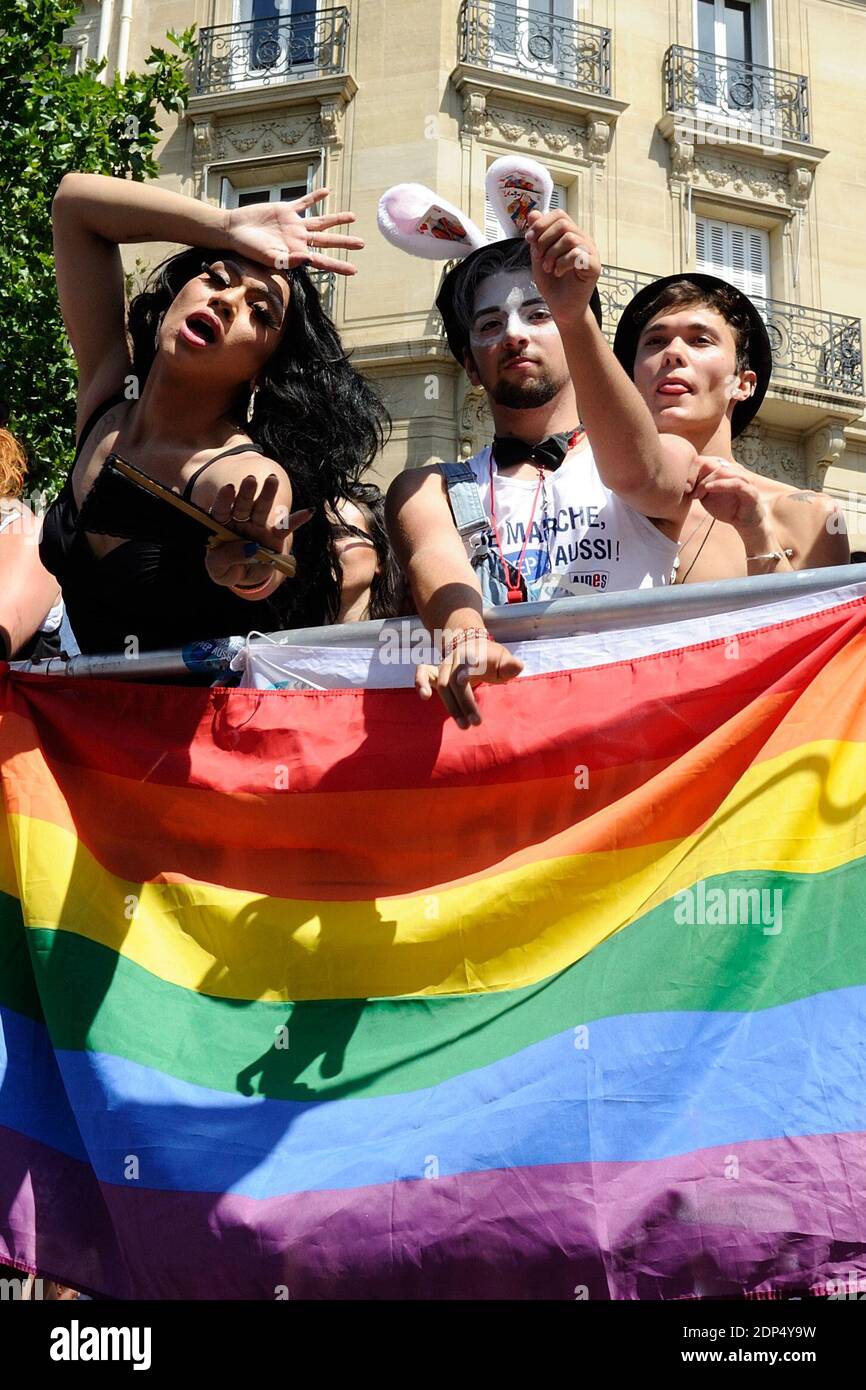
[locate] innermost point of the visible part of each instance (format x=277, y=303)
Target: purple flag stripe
x=696, y=1225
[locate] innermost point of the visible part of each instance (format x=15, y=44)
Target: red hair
x=13, y=465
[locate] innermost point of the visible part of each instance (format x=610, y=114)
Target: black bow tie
x=550, y=452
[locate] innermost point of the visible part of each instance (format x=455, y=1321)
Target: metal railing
x=616, y=289
x=812, y=349
x=324, y=281
x=258, y=52
x=769, y=102
x=565, y=51
x=523, y=622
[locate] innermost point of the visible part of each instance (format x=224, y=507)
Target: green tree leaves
x=53, y=120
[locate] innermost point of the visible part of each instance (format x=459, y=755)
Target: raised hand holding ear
x=565, y=263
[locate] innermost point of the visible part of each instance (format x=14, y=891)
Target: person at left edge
x=241, y=399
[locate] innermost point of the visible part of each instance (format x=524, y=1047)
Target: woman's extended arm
x=93, y=215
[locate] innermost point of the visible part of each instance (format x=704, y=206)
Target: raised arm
x=632, y=461
x=94, y=215
x=446, y=592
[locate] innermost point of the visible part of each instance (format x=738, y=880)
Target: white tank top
x=582, y=533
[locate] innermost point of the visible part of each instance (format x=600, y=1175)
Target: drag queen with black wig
x=225, y=382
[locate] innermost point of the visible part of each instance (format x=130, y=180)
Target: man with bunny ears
x=577, y=489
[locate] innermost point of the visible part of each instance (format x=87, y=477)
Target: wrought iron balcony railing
x=258, y=52
x=324, y=281
x=772, y=103
x=563, y=51
x=812, y=349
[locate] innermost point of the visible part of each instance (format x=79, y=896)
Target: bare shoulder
x=412, y=479
x=803, y=508
x=424, y=482
x=815, y=525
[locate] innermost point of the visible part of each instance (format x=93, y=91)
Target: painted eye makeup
x=259, y=310
x=218, y=275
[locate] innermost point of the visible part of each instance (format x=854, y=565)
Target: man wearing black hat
x=539, y=513
x=699, y=353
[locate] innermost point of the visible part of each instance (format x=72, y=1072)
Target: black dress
x=154, y=591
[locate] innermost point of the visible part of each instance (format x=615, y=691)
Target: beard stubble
x=527, y=395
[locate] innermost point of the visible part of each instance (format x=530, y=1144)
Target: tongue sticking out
x=200, y=330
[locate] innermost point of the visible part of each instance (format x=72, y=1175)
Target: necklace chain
x=515, y=593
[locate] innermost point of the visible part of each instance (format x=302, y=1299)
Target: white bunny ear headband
x=415, y=219
x=423, y=224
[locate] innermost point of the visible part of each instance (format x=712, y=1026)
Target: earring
x=251, y=404
x=158, y=331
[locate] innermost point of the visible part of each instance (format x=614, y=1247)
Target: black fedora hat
x=758, y=347
x=458, y=338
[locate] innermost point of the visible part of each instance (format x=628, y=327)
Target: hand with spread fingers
x=473, y=659
x=250, y=510
x=565, y=263
x=279, y=236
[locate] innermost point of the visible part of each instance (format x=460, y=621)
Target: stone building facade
x=682, y=134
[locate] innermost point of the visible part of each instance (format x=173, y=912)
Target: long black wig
x=314, y=414
x=389, y=591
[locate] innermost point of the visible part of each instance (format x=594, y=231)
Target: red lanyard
x=514, y=591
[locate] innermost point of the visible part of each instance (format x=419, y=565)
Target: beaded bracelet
x=459, y=634
x=250, y=589
x=772, y=555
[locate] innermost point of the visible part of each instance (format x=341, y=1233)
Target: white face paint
x=509, y=304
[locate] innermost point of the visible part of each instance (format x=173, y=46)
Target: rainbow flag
x=314, y=995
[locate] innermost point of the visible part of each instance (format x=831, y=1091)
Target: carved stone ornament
x=599, y=136
x=738, y=176
x=781, y=459
x=824, y=448
x=800, y=184
x=540, y=133
x=682, y=157
x=202, y=141
x=267, y=136
x=474, y=422
x=474, y=113
x=329, y=120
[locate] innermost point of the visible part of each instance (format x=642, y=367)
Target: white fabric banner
x=268, y=665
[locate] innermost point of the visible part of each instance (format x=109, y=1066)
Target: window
x=492, y=229
x=525, y=32
x=725, y=29
x=739, y=254
x=734, y=35
x=283, y=34
x=233, y=196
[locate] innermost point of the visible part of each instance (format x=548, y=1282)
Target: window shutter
x=736, y=253
x=492, y=229
x=759, y=263
x=738, y=274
